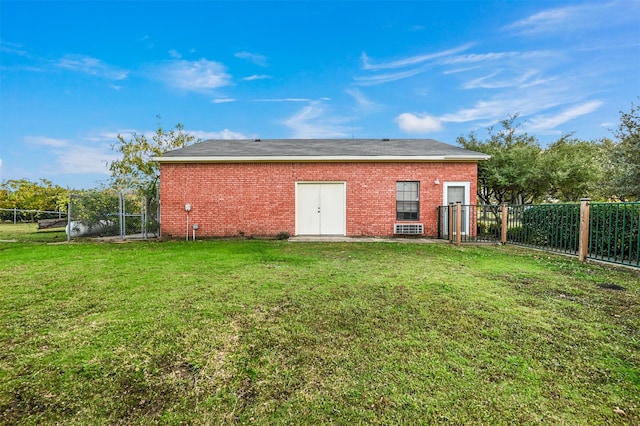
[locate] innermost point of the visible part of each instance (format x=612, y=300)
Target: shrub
x=554, y=226
x=614, y=230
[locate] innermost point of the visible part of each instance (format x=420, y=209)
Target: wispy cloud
x=47, y=142
x=368, y=64
x=496, y=80
x=194, y=76
x=223, y=134
x=222, y=100
x=71, y=156
x=255, y=58
x=12, y=48
x=568, y=19
x=91, y=66
x=544, y=110
x=283, y=100
x=175, y=54
x=552, y=121
x=478, y=57
x=364, y=104
x=314, y=121
x=256, y=77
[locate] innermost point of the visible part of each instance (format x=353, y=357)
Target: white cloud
x=588, y=16
x=256, y=77
x=48, y=142
x=548, y=122
x=368, y=64
x=85, y=159
x=195, y=76
x=412, y=123
x=69, y=156
x=478, y=57
x=224, y=134
x=283, y=100
x=12, y=48
x=222, y=100
x=312, y=121
x=90, y=66
x=374, y=80
x=257, y=59
x=175, y=54
x=526, y=79
x=364, y=104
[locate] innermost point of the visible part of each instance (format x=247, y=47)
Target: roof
x=253, y=150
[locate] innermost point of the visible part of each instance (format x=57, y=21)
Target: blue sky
x=75, y=74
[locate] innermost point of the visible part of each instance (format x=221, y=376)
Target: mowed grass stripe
x=273, y=332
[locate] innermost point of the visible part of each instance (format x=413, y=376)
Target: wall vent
x=408, y=228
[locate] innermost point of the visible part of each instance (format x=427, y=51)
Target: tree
x=574, y=169
x=625, y=179
x=513, y=174
x=136, y=169
x=27, y=195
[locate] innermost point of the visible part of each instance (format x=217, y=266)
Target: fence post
x=458, y=222
x=583, y=238
x=121, y=208
x=69, y=218
x=450, y=223
x=505, y=218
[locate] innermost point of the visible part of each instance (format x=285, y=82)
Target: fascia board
x=340, y=158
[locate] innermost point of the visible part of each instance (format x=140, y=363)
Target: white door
x=320, y=208
x=455, y=192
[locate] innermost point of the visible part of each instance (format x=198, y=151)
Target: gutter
x=307, y=159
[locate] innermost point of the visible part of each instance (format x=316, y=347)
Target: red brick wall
x=258, y=199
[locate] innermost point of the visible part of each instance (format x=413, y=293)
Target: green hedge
x=614, y=229
x=552, y=226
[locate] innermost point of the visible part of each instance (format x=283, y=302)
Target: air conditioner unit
x=408, y=228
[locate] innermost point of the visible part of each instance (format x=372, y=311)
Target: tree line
x=520, y=170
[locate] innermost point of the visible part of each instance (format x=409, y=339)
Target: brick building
x=352, y=187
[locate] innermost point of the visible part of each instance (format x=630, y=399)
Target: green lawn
x=30, y=232
x=275, y=332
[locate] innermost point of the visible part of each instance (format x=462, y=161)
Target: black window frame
x=408, y=200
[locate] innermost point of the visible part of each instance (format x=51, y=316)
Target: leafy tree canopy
x=574, y=169
x=136, y=169
x=27, y=195
x=513, y=173
x=520, y=171
x=625, y=179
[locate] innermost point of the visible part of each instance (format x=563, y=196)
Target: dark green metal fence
x=551, y=227
x=481, y=223
x=614, y=233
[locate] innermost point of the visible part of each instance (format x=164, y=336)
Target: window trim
x=416, y=202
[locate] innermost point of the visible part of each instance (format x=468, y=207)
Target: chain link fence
x=16, y=216
x=112, y=214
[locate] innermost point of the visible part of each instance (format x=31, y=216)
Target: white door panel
x=320, y=209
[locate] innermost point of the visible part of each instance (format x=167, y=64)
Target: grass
x=274, y=332
x=30, y=232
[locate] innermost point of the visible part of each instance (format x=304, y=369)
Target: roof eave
x=306, y=159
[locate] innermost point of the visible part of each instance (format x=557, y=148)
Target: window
x=407, y=200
